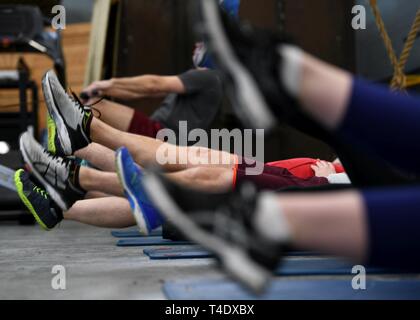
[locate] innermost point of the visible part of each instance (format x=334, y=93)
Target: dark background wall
x=157, y=37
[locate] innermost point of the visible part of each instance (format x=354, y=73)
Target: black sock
x=57, y=210
x=74, y=177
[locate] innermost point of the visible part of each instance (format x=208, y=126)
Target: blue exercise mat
x=196, y=252
x=290, y=267
x=134, y=233
x=149, y=241
x=284, y=289
x=321, y=266
x=172, y=253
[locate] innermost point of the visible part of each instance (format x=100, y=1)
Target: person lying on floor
x=248, y=230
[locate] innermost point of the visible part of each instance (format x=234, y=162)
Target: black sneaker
x=223, y=224
x=37, y=200
x=251, y=62
x=71, y=118
x=54, y=173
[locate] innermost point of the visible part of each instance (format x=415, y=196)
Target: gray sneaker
x=72, y=120
x=54, y=173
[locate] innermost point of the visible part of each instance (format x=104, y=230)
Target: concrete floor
x=95, y=267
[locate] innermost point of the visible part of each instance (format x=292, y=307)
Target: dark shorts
x=274, y=178
x=144, y=126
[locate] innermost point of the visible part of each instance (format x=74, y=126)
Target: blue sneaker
x=130, y=174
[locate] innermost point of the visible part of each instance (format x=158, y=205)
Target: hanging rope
x=409, y=44
x=399, y=81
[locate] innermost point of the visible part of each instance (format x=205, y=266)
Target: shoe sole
x=243, y=90
x=138, y=215
x=52, y=131
x=62, y=132
x=237, y=263
x=25, y=200
x=50, y=189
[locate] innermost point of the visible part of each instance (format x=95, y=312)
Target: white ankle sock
x=291, y=68
x=270, y=220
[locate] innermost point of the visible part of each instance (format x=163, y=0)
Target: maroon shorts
x=273, y=178
x=144, y=126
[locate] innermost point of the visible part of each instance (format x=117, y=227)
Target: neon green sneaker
x=37, y=201
x=52, y=132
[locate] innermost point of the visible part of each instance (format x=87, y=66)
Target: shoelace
x=83, y=107
x=63, y=161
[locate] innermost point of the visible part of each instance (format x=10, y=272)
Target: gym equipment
x=13, y=123
x=11, y=208
x=23, y=30
x=149, y=241
x=7, y=178
x=196, y=252
x=134, y=233
x=284, y=289
x=399, y=80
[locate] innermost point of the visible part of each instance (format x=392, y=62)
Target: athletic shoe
x=54, y=173
x=54, y=145
x=37, y=200
x=223, y=224
x=131, y=177
x=250, y=60
x=71, y=119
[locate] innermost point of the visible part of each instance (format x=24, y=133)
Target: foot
x=131, y=177
x=57, y=175
x=251, y=61
x=37, y=200
x=227, y=225
x=71, y=119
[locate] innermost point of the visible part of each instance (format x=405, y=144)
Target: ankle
x=93, y=128
x=74, y=177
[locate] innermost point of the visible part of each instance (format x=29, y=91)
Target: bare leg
x=105, y=182
x=145, y=149
x=324, y=91
x=99, y=156
x=215, y=180
x=110, y=212
x=96, y=195
x=201, y=178
x=332, y=223
x=116, y=115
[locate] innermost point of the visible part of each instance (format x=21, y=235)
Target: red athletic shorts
x=144, y=126
x=275, y=177
x=301, y=167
